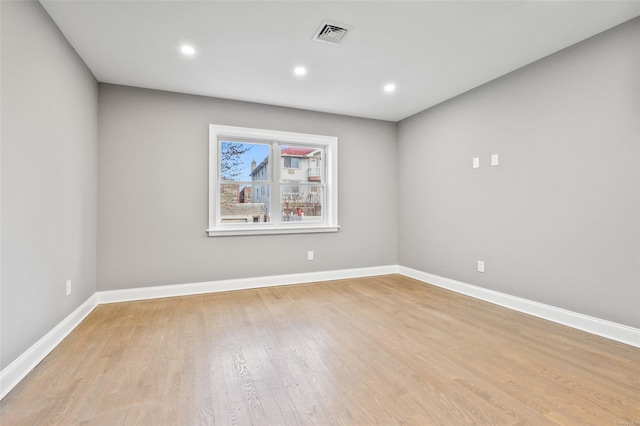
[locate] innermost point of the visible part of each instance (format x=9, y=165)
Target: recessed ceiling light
x=187, y=50
x=389, y=87
x=300, y=70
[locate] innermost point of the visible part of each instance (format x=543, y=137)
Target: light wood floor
x=383, y=350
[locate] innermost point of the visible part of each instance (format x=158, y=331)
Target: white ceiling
x=431, y=50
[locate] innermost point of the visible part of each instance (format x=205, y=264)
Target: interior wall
x=558, y=220
x=153, y=192
x=49, y=178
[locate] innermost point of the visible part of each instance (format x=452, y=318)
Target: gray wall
x=153, y=205
x=49, y=178
x=558, y=221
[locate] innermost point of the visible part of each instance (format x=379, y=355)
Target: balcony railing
x=314, y=174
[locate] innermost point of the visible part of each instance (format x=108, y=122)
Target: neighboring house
x=260, y=193
x=230, y=193
x=297, y=164
x=236, y=205
x=245, y=194
x=243, y=213
x=260, y=171
x=300, y=164
x=299, y=167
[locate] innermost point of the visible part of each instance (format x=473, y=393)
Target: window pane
x=244, y=161
x=244, y=203
x=302, y=203
x=301, y=163
x=291, y=162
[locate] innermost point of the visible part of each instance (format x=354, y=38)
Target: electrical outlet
x=310, y=255
x=495, y=160
x=480, y=266
x=68, y=287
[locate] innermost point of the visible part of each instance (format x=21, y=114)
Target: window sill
x=271, y=230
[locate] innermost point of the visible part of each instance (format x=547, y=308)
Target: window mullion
x=275, y=184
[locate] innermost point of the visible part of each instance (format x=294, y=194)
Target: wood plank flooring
x=383, y=350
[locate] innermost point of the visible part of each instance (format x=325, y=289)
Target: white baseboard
x=127, y=295
x=610, y=330
x=18, y=369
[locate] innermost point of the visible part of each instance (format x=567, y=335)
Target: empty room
x=320, y=212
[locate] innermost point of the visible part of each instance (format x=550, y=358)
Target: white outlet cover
x=480, y=266
x=495, y=160
x=476, y=162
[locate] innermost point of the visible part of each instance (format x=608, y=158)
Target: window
x=291, y=163
x=271, y=182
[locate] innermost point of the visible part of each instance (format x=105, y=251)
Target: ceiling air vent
x=331, y=32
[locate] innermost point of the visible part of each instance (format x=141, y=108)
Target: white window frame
x=273, y=137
